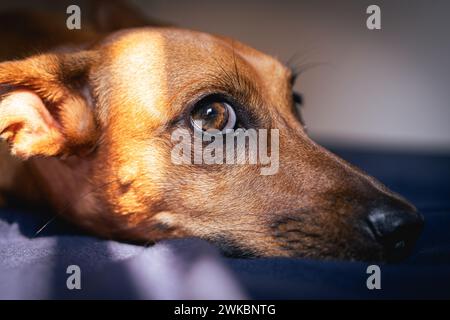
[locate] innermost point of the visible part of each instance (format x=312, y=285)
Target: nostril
x=395, y=230
x=385, y=222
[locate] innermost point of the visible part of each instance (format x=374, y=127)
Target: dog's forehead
x=197, y=47
x=152, y=65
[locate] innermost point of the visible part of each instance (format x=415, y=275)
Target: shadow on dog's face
x=141, y=86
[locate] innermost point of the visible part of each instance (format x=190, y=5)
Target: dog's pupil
x=210, y=113
x=213, y=116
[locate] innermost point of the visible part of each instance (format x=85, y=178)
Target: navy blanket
x=34, y=267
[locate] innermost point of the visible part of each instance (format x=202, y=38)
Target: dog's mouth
x=293, y=239
x=232, y=248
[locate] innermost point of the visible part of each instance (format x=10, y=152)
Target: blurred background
x=385, y=88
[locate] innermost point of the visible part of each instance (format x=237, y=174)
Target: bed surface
x=34, y=267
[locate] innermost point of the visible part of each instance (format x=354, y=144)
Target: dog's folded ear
x=45, y=105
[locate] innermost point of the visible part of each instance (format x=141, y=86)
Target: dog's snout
x=396, y=229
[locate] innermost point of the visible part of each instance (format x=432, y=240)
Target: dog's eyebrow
x=235, y=82
x=238, y=86
x=241, y=88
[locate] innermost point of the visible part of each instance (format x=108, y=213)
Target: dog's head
x=112, y=112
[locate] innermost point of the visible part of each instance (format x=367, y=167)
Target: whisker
x=301, y=69
x=236, y=70
x=44, y=226
x=300, y=62
x=70, y=204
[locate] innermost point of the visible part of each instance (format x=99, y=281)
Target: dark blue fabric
x=33, y=267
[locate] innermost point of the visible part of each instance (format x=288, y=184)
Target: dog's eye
x=298, y=98
x=298, y=102
x=213, y=115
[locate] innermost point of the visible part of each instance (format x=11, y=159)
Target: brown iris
x=211, y=116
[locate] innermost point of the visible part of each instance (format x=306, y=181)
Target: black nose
x=396, y=228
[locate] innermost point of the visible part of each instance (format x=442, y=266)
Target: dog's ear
x=45, y=105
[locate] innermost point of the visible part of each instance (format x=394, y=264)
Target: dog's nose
x=396, y=228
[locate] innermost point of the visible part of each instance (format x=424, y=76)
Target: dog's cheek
x=128, y=173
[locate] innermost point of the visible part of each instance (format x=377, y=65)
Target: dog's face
x=114, y=109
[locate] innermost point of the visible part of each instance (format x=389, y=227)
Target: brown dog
x=89, y=127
